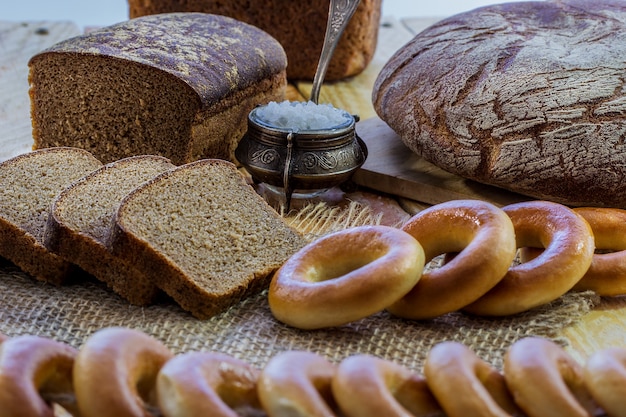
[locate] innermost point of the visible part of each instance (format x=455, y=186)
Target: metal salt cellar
x=306, y=162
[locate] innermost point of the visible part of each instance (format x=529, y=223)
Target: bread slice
x=28, y=185
x=204, y=235
x=81, y=218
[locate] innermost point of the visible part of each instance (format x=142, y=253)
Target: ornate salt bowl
x=301, y=149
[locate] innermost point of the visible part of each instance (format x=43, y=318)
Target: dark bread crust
x=526, y=96
x=214, y=55
x=298, y=25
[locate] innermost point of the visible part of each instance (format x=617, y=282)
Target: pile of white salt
x=299, y=116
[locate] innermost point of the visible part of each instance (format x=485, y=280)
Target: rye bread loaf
x=81, y=219
x=28, y=185
x=298, y=25
x=204, y=235
x=178, y=85
x=526, y=96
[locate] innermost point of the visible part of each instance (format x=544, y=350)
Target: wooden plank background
x=18, y=42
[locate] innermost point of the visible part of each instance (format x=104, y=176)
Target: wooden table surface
x=605, y=326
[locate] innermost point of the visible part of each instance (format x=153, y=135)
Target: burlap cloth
x=248, y=331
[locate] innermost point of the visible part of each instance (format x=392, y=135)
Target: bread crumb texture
x=527, y=96
x=88, y=205
x=81, y=221
x=155, y=85
x=29, y=183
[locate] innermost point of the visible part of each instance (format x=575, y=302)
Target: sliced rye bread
x=204, y=235
x=81, y=218
x=28, y=185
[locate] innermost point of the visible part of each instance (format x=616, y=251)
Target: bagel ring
x=345, y=276
x=367, y=386
x=545, y=380
x=297, y=383
x=206, y=384
x=569, y=248
x=127, y=361
x=607, y=273
x=484, y=237
x=36, y=372
x=465, y=385
x=605, y=374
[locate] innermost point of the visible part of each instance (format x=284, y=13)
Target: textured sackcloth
x=248, y=331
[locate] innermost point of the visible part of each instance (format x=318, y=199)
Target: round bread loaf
x=527, y=96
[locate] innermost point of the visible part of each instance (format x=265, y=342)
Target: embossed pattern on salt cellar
x=308, y=160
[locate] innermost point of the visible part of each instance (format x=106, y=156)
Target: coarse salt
x=299, y=116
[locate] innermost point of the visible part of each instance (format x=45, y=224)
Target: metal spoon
x=339, y=14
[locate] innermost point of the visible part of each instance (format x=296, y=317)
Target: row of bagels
x=496, y=262
x=120, y=371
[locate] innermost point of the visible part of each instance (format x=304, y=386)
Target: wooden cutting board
x=393, y=168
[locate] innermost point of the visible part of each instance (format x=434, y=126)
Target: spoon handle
x=339, y=14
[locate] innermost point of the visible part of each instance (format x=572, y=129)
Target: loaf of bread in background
x=204, y=236
x=178, y=85
x=298, y=25
x=28, y=185
x=527, y=96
